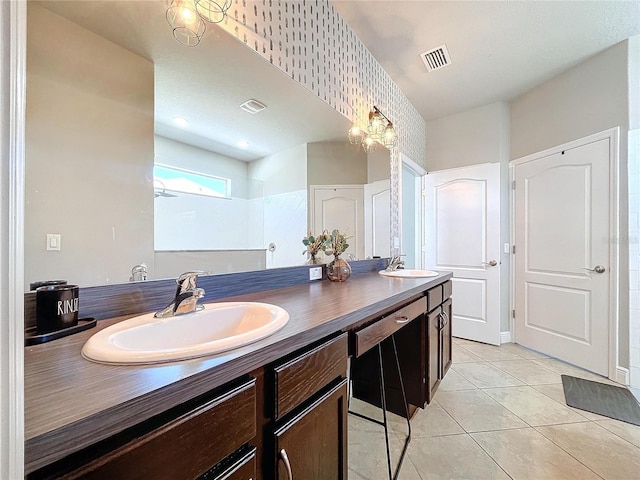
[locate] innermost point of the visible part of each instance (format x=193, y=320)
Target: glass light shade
x=187, y=25
x=369, y=144
x=389, y=137
x=356, y=134
x=376, y=123
x=213, y=10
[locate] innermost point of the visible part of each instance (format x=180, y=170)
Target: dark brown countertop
x=71, y=403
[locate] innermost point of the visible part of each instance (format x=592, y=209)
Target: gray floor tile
x=475, y=411
x=453, y=457
x=526, y=454
x=485, y=375
x=602, y=451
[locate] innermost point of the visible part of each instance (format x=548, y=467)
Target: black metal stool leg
x=406, y=409
x=383, y=401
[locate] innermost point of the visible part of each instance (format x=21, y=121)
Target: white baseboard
x=622, y=375
x=505, y=337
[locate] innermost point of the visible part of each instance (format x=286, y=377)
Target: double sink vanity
x=273, y=408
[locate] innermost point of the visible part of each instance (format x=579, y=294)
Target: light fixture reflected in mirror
x=379, y=130
x=186, y=18
x=187, y=25
x=213, y=11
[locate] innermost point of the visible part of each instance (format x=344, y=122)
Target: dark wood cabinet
x=184, y=443
x=445, y=338
x=433, y=376
x=313, y=443
x=438, y=339
x=309, y=432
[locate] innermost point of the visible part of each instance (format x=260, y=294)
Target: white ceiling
x=499, y=49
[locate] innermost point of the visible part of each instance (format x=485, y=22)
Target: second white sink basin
x=217, y=328
x=408, y=273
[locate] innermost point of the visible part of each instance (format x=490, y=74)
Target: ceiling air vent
x=253, y=106
x=436, y=58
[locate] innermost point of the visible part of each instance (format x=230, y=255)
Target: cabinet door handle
x=445, y=316
x=440, y=321
x=285, y=459
x=402, y=319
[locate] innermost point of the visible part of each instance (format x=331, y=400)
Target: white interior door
x=377, y=219
x=339, y=207
x=462, y=208
x=562, y=271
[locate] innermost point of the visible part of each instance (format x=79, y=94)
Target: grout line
x=491, y=457
x=597, y=422
x=568, y=453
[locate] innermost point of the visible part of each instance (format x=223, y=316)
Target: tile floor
x=499, y=414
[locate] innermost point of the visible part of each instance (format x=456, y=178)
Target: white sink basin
x=408, y=273
x=217, y=328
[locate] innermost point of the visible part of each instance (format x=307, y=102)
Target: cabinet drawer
x=187, y=446
x=447, y=290
x=375, y=333
x=239, y=466
x=434, y=297
x=306, y=374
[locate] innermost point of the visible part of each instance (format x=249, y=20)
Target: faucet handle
x=189, y=280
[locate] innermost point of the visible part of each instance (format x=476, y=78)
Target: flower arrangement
x=315, y=244
x=336, y=244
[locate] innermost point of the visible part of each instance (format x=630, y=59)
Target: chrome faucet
x=139, y=273
x=395, y=262
x=186, y=299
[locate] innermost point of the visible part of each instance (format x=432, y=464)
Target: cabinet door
x=445, y=338
x=434, y=320
x=313, y=444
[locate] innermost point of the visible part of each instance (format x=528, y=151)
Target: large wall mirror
x=113, y=181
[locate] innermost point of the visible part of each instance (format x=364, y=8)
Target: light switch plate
x=53, y=241
x=315, y=273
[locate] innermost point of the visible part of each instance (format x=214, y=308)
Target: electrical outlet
x=315, y=273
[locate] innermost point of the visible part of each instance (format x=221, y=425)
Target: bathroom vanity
x=276, y=408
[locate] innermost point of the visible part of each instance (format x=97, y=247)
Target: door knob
x=492, y=263
x=596, y=269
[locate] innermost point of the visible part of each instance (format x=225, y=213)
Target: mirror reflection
x=138, y=153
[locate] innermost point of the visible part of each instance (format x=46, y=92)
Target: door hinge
x=513, y=185
x=513, y=314
x=513, y=249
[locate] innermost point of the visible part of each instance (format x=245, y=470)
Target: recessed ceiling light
x=243, y=144
x=180, y=121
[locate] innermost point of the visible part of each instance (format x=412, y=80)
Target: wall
x=336, y=163
x=589, y=98
x=284, y=204
x=194, y=222
x=177, y=154
x=378, y=165
x=172, y=264
x=70, y=96
x=470, y=138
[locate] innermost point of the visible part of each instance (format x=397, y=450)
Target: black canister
x=44, y=283
x=56, y=307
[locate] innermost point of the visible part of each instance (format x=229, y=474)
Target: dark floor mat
x=595, y=397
